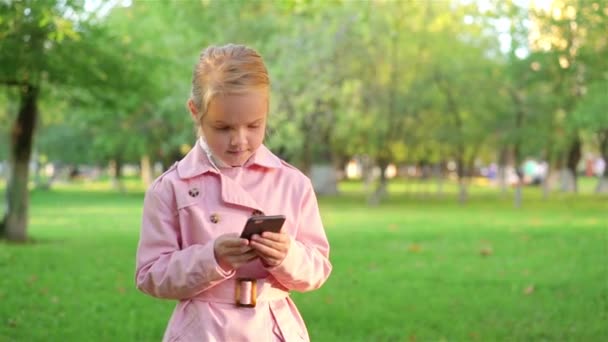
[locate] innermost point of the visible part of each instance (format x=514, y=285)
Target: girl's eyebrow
x=220, y=122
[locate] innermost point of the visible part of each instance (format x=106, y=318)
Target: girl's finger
x=266, y=251
x=278, y=237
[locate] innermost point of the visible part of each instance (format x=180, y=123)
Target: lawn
x=411, y=269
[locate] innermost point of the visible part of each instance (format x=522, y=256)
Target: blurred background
x=458, y=149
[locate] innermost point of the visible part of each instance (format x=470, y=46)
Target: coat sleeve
x=163, y=269
x=306, y=266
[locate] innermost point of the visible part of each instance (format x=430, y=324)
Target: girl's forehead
x=238, y=107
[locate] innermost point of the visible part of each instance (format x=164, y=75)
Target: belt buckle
x=245, y=292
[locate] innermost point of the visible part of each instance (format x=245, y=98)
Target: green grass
x=414, y=268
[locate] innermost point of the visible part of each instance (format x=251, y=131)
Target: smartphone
x=260, y=224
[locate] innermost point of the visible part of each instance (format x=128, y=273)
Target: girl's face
x=234, y=126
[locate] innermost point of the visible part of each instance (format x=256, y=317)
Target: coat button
x=215, y=218
x=257, y=213
x=193, y=192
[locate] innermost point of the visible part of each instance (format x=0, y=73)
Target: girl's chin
x=236, y=159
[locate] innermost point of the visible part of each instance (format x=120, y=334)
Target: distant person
x=600, y=165
x=230, y=288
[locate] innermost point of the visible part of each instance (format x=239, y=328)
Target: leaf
x=414, y=248
x=486, y=251
x=529, y=290
x=32, y=279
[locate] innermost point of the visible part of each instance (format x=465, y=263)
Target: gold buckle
x=245, y=292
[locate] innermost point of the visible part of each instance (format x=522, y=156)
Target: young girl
x=228, y=288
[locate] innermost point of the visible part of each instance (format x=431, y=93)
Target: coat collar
x=196, y=162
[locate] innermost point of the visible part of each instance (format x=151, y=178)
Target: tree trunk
x=567, y=180
x=116, y=174
x=438, y=171
x=517, y=155
x=547, y=181
x=380, y=193
x=602, y=184
x=502, y=169
x=520, y=182
x=574, y=156
x=146, y=170
x=520, y=174
x=463, y=195
x=367, y=173
x=14, y=224
x=324, y=179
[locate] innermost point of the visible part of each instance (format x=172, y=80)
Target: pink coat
x=190, y=205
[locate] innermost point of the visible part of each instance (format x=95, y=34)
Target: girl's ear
x=193, y=110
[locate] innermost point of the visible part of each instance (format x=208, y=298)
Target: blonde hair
x=226, y=70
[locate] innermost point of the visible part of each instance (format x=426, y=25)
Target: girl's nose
x=237, y=138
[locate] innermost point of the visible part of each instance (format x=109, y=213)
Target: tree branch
x=14, y=83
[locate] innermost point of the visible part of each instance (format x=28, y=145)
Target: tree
x=44, y=44
x=591, y=114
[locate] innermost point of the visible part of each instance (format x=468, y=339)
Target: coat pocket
x=182, y=321
x=289, y=321
x=198, y=325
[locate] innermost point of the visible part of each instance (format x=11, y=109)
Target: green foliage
x=400, y=81
x=592, y=111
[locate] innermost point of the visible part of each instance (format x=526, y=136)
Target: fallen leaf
x=412, y=338
x=529, y=290
x=12, y=323
x=121, y=289
x=55, y=299
x=329, y=300
x=414, y=248
x=486, y=251
x=32, y=279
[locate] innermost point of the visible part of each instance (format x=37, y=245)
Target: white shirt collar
x=216, y=162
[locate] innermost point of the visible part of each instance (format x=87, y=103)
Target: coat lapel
x=196, y=163
x=234, y=194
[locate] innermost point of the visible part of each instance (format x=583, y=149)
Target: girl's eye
x=254, y=126
x=222, y=128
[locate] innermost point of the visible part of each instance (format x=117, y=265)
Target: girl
x=228, y=288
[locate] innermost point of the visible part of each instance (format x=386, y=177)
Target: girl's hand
x=232, y=252
x=271, y=247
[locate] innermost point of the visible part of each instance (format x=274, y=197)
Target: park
x=457, y=149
